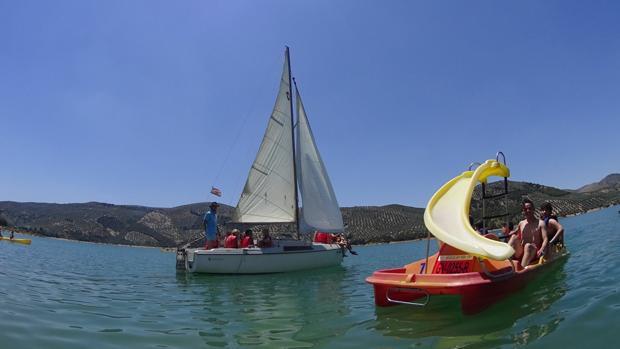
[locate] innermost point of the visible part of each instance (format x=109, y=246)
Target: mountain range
x=169, y=227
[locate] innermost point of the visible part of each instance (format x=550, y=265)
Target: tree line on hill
x=169, y=227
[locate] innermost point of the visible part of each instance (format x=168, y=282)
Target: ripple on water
x=58, y=294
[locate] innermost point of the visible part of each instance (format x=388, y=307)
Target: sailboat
x=287, y=167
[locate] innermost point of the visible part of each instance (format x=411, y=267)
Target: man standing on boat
x=210, y=223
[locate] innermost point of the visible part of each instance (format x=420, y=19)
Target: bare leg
x=528, y=254
x=515, y=243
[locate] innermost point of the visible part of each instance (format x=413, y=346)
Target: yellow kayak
x=19, y=241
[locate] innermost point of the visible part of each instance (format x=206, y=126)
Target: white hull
x=288, y=256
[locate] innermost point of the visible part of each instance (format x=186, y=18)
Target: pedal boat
x=480, y=282
x=477, y=268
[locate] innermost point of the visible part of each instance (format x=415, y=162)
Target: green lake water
x=62, y=294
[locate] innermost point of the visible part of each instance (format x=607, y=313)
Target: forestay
x=269, y=193
x=320, y=210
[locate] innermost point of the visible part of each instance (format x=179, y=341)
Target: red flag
x=216, y=191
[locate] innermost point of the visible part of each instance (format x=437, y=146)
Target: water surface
x=63, y=294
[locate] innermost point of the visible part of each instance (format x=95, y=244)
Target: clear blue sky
x=145, y=102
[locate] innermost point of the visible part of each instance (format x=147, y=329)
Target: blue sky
x=152, y=102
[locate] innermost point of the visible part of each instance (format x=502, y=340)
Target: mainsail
x=269, y=193
x=320, y=210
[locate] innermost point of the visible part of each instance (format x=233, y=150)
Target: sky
x=153, y=102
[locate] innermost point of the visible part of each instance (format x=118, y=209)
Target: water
x=62, y=294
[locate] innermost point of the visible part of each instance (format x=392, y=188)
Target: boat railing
x=427, y=296
x=503, y=157
x=503, y=195
x=473, y=164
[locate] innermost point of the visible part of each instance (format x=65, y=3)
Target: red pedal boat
x=477, y=268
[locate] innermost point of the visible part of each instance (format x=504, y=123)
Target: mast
x=290, y=99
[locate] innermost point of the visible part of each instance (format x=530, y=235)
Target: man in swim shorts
x=531, y=242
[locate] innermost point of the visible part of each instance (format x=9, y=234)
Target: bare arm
x=559, y=230
x=545, y=239
x=518, y=228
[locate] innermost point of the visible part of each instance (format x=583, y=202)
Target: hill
x=167, y=227
x=565, y=202
x=609, y=183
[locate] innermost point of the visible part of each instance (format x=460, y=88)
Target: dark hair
x=546, y=207
x=510, y=225
x=248, y=232
x=526, y=201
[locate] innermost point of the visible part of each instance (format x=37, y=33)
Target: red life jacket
x=246, y=242
x=231, y=241
x=324, y=238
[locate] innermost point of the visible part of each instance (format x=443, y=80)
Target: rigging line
x=265, y=137
x=233, y=145
x=243, y=123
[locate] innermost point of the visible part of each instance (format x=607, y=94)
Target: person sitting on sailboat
x=324, y=238
x=211, y=228
x=248, y=240
x=341, y=240
x=232, y=239
x=331, y=238
x=266, y=240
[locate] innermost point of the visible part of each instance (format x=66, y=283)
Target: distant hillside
x=167, y=227
x=611, y=182
x=565, y=202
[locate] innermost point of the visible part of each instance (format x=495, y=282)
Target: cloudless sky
x=153, y=102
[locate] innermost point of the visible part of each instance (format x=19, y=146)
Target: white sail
x=320, y=210
x=269, y=193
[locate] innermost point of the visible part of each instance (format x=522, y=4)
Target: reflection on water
x=60, y=294
x=287, y=310
x=442, y=317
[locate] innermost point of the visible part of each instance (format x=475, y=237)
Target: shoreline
x=83, y=241
x=171, y=248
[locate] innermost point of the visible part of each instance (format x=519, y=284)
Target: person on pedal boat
x=555, y=230
x=531, y=242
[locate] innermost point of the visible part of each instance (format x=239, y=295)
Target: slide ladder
x=447, y=213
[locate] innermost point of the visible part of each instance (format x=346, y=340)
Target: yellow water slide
x=447, y=213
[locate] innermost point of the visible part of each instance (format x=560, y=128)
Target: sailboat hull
x=285, y=257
